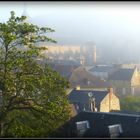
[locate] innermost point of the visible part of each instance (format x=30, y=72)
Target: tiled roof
x=81, y=96
x=64, y=70
x=101, y=69
x=80, y=76
x=126, y=112
x=122, y=74
x=99, y=122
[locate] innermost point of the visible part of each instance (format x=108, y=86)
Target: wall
x=104, y=105
x=120, y=85
x=114, y=104
x=135, y=79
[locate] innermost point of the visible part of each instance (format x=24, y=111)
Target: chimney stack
x=110, y=91
x=78, y=87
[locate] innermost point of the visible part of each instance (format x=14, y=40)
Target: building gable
x=110, y=102
x=135, y=81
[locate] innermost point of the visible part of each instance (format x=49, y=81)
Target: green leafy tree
x=33, y=101
x=130, y=103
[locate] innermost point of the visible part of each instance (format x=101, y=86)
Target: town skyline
x=69, y=69
x=113, y=27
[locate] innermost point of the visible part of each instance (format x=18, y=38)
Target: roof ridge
x=93, y=89
x=112, y=113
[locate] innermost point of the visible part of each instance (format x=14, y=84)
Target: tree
x=33, y=101
x=130, y=103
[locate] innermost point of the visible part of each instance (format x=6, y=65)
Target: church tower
x=25, y=13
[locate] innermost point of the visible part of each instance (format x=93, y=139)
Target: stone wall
x=110, y=103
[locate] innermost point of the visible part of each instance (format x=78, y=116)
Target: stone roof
x=101, y=69
x=81, y=96
x=80, y=76
x=124, y=74
x=99, y=122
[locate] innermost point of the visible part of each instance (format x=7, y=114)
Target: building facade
x=126, y=81
x=94, y=100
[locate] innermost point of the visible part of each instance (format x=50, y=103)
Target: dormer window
x=82, y=126
x=115, y=130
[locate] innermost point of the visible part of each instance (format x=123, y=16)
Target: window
x=82, y=126
x=115, y=130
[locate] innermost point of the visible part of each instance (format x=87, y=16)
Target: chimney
x=110, y=92
x=78, y=87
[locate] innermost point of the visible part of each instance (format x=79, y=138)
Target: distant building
x=102, y=71
x=130, y=65
x=125, y=81
x=82, y=77
x=94, y=100
x=86, y=55
x=64, y=67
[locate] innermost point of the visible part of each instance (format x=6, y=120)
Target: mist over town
x=69, y=69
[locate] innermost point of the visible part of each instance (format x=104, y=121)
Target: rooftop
x=124, y=74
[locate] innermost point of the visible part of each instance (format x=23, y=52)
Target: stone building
x=125, y=81
x=94, y=100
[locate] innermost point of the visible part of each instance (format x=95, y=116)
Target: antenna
x=92, y=102
x=90, y=94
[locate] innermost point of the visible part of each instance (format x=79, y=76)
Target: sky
x=114, y=27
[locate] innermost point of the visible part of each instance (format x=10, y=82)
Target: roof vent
x=82, y=126
x=115, y=130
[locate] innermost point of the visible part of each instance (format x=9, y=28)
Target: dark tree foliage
x=33, y=100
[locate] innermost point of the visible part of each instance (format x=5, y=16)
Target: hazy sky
x=113, y=26
x=130, y=11
x=122, y=14
x=124, y=11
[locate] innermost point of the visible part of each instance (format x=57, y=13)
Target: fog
x=112, y=26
